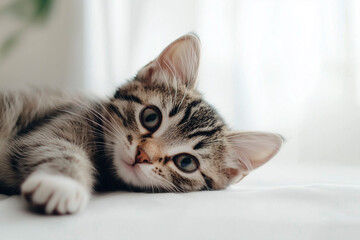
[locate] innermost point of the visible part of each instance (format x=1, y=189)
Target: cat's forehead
x=167, y=94
x=176, y=101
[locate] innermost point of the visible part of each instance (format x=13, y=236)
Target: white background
x=290, y=67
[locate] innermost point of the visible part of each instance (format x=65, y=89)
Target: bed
x=274, y=202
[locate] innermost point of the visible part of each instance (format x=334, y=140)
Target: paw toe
x=55, y=194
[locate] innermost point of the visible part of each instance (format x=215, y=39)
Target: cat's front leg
x=61, y=179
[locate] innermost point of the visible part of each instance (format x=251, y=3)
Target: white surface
x=272, y=203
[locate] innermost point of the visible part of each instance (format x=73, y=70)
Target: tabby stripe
x=174, y=110
x=14, y=161
x=166, y=160
x=130, y=98
x=17, y=156
x=42, y=121
x=208, y=181
x=188, y=111
x=199, y=145
x=50, y=159
x=205, y=133
x=178, y=180
x=114, y=109
x=148, y=135
x=46, y=160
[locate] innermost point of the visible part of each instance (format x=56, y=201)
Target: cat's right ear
x=179, y=61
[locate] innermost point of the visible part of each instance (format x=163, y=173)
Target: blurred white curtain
x=286, y=66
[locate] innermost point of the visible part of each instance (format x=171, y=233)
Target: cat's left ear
x=179, y=61
x=250, y=150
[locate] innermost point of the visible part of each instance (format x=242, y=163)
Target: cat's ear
x=250, y=150
x=179, y=61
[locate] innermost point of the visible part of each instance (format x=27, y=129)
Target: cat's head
x=163, y=136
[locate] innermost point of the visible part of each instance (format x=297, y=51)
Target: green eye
x=186, y=162
x=150, y=118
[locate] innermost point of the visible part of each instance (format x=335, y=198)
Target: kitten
x=155, y=134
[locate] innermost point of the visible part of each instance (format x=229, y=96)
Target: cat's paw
x=54, y=194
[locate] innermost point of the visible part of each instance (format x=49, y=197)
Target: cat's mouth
x=135, y=172
x=132, y=166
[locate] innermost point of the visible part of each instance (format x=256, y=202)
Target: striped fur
x=56, y=148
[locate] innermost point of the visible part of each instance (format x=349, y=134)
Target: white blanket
x=272, y=203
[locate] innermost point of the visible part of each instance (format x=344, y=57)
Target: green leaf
x=31, y=12
x=42, y=9
x=9, y=44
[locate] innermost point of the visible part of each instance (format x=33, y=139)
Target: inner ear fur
x=250, y=150
x=179, y=61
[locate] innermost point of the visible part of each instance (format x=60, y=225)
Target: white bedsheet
x=272, y=203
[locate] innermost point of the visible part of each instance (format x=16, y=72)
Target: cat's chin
x=123, y=163
x=132, y=174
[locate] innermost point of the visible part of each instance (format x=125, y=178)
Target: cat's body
x=29, y=120
x=155, y=134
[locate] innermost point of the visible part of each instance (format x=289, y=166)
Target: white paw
x=54, y=194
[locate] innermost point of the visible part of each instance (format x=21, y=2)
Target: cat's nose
x=141, y=156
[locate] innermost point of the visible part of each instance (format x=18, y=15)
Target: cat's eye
x=150, y=118
x=186, y=162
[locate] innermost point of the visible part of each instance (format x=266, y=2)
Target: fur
x=56, y=148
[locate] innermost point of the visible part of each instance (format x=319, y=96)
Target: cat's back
x=19, y=108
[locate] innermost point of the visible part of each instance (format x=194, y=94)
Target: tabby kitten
x=155, y=134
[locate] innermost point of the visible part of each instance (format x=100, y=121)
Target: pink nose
x=141, y=156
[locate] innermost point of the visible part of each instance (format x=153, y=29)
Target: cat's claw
x=54, y=194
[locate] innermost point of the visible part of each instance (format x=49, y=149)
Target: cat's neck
x=105, y=175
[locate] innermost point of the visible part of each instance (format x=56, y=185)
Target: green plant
x=29, y=12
